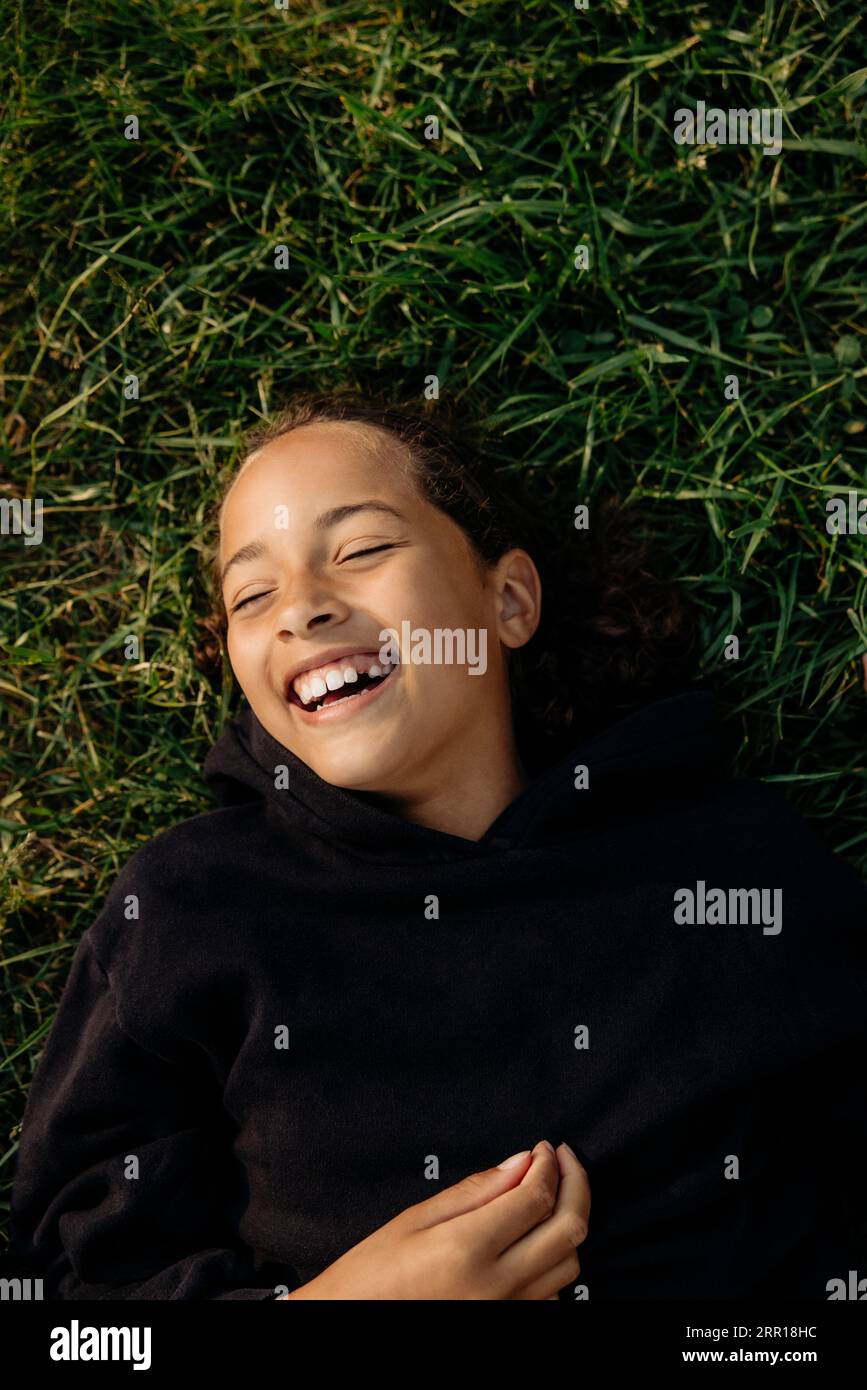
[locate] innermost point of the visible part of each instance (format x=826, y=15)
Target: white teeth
x=311, y=688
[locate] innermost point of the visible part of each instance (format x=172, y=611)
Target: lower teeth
x=321, y=705
x=352, y=696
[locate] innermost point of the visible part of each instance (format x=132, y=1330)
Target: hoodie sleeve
x=125, y=1180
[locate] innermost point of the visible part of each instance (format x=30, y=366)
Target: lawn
x=552, y=256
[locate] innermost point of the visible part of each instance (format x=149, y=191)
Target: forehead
x=318, y=456
x=314, y=468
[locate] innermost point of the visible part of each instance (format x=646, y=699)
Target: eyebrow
x=255, y=550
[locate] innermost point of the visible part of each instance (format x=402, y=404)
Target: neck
x=475, y=789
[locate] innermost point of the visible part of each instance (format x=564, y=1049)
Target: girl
x=450, y=909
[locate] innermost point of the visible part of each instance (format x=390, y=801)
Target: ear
x=518, y=597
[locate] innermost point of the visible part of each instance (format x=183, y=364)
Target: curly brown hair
x=614, y=633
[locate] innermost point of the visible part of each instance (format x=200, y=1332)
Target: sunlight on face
x=321, y=573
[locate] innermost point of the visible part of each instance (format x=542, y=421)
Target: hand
x=503, y=1233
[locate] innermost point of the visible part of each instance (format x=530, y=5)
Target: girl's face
x=325, y=544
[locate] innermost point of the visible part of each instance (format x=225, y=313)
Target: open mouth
x=359, y=689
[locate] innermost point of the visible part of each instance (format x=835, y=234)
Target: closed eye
x=251, y=599
x=371, y=551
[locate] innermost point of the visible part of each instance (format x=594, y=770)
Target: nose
x=305, y=612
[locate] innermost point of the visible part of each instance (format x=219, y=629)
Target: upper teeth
x=312, y=685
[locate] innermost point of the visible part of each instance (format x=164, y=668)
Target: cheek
x=239, y=646
x=435, y=592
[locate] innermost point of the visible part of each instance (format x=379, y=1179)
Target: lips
x=341, y=705
x=346, y=668
x=340, y=678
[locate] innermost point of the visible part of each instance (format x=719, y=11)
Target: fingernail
x=547, y=1145
x=514, y=1160
x=564, y=1145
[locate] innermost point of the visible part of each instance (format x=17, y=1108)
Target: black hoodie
x=298, y=1014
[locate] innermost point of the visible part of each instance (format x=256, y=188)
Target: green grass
x=408, y=257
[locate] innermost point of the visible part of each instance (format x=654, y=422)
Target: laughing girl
x=433, y=923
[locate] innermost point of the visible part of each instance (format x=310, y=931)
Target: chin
x=363, y=776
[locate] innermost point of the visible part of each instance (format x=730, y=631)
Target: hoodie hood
x=657, y=753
